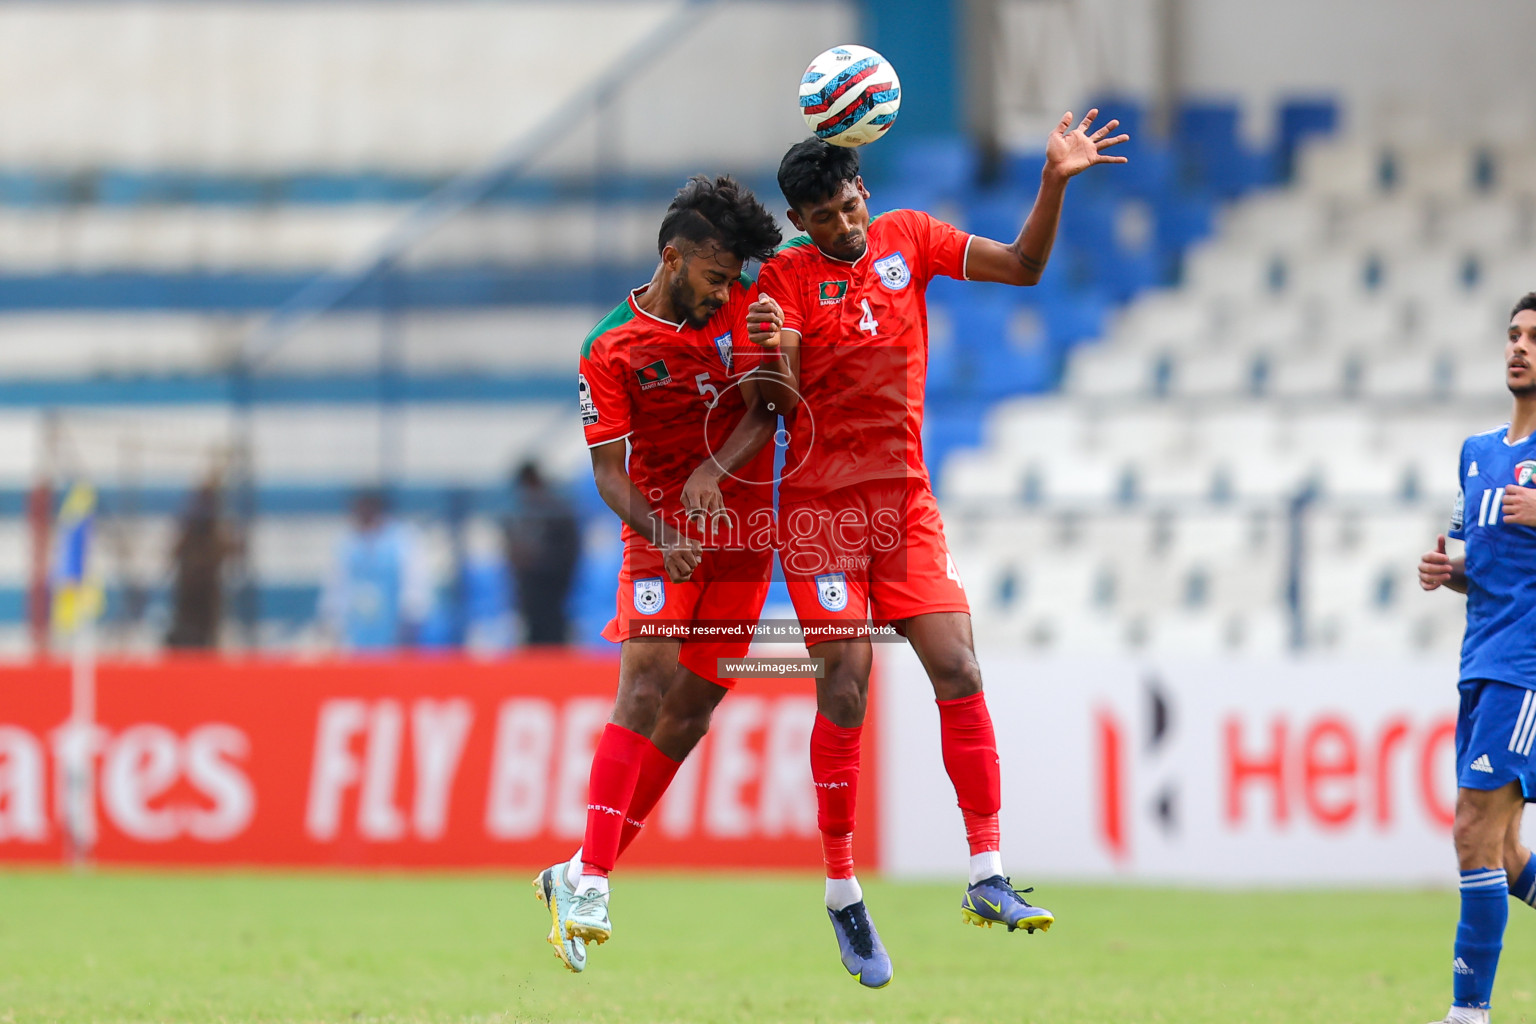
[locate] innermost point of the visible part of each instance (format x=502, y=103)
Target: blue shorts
x=1495, y=731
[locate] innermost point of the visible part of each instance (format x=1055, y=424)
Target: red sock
x=970, y=757
x=835, y=770
x=611, y=786
x=656, y=772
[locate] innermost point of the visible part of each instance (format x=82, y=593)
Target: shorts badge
x=650, y=596
x=832, y=591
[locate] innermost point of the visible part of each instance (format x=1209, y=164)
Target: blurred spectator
x=543, y=543
x=203, y=543
x=380, y=589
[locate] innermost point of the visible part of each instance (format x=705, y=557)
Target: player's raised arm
x=619, y=491
x=1068, y=152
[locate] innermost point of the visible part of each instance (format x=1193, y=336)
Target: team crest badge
x=1524, y=472
x=893, y=272
x=650, y=596
x=832, y=591
x=723, y=346
x=584, y=398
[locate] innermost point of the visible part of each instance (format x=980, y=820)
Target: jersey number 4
x=867, y=322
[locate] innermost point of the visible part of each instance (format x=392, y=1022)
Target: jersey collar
x=847, y=263
x=634, y=303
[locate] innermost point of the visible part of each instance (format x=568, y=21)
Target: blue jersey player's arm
x=1438, y=569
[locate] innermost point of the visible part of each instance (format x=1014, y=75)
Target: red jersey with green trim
x=672, y=391
x=863, y=350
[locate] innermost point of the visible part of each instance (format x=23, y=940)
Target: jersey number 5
x=706, y=388
x=867, y=322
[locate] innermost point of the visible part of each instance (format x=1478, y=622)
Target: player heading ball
x=847, y=369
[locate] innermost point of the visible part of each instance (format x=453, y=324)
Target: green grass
x=128, y=946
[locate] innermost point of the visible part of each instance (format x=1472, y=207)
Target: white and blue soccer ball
x=850, y=95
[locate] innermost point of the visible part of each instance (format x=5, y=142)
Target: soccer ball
x=849, y=95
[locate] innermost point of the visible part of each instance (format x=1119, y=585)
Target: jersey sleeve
x=946, y=246
x=745, y=356
x=605, y=401
x=778, y=281
x=1458, y=529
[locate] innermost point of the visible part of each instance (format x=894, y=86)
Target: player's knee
x=639, y=700
x=956, y=676
x=842, y=695
x=679, y=730
x=1479, y=841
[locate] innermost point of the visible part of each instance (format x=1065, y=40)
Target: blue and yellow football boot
x=862, y=951
x=995, y=901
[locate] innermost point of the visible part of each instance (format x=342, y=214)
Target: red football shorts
x=873, y=551
x=713, y=613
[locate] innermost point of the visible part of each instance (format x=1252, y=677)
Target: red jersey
x=672, y=391
x=863, y=350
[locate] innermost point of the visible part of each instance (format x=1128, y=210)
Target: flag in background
x=77, y=596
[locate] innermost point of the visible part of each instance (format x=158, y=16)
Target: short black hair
x=813, y=171
x=1525, y=303
x=721, y=210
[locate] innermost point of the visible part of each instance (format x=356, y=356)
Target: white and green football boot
x=588, y=918
x=551, y=889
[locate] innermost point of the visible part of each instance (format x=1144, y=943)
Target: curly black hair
x=721, y=210
x=1527, y=301
x=813, y=171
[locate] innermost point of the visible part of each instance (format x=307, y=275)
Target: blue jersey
x=1500, y=642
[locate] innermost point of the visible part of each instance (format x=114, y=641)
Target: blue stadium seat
x=946, y=166
x=1212, y=155
x=1299, y=120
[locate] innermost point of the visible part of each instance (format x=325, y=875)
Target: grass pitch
x=129, y=946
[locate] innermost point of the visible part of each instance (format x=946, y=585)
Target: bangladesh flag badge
x=653, y=375
x=832, y=292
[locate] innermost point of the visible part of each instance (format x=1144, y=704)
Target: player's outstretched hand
x=1435, y=567
x=764, y=319
x=1519, y=506
x=682, y=558
x=1071, y=151
x=701, y=494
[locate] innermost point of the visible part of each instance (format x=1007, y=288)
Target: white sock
x=573, y=870
x=843, y=892
x=598, y=882
x=1467, y=1015
x=985, y=865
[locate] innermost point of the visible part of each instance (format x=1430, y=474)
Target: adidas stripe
x=1525, y=726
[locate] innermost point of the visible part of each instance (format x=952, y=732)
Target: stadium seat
x=1215, y=373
